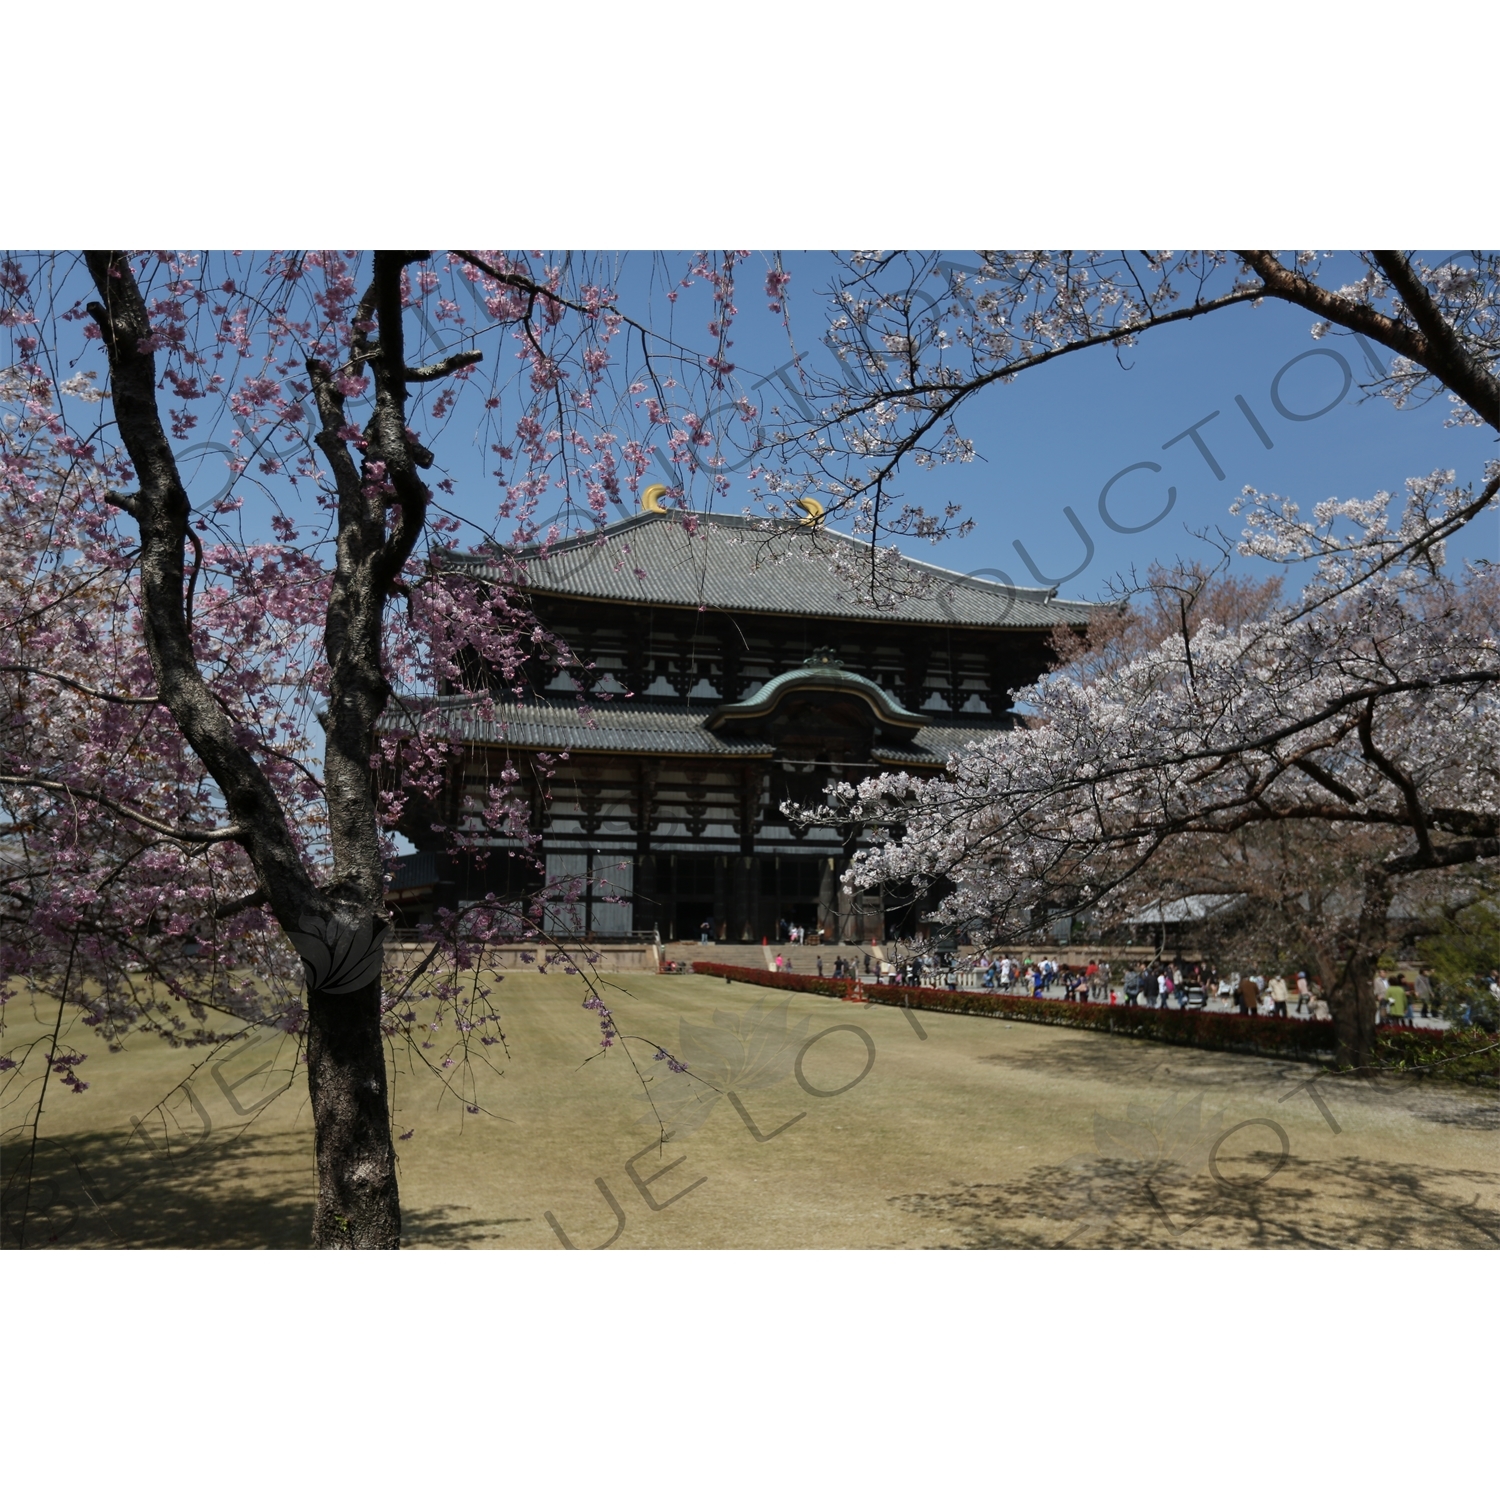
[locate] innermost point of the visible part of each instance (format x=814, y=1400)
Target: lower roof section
x=542, y=725
x=936, y=743
x=607, y=728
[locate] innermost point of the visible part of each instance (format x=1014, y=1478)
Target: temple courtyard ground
x=801, y=1122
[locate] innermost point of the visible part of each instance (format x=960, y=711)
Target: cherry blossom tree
x=78, y=735
x=214, y=678
x=1369, y=703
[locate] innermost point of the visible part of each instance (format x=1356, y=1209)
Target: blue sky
x=1053, y=438
x=1056, y=435
x=1049, y=442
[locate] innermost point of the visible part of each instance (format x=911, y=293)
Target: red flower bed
x=810, y=984
x=1189, y=1028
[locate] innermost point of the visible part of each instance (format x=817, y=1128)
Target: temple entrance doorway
x=803, y=914
x=687, y=919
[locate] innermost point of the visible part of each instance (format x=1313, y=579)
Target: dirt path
x=883, y=1131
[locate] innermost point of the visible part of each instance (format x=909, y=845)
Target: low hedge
x=1447, y=1054
x=1270, y=1036
x=835, y=989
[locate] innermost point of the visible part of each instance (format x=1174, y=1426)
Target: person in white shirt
x=1278, y=994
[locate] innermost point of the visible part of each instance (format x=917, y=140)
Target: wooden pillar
x=731, y=667
x=743, y=895
x=751, y=777
x=637, y=652
x=917, y=656
x=828, y=911
x=644, y=905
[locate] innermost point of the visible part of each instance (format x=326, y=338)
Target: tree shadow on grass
x=1099, y=1202
x=1129, y=1060
x=437, y=1228
x=251, y=1192
x=107, y=1191
x=1119, y=1059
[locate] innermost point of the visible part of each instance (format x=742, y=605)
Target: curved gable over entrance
x=820, y=699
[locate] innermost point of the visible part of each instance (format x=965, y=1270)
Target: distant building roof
x=1184, y=909
x=690, y=558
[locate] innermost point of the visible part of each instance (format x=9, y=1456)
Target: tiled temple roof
x=534, y=725
x=690, y=559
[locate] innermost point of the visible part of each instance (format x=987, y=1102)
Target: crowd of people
x=1162, y=985
x=1401, y=997
x=1397, y=998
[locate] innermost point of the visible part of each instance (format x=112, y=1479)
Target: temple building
x=731, y=666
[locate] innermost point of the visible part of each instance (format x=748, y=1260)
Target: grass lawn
x=974, y=1133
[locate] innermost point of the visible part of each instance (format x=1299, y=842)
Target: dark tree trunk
x=1353, y=1006
x=358, y=1207
x=382, y=508
x=1353, y=1001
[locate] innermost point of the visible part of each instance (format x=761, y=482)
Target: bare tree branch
x=162, y=510
x=1432, y=343
x=444, y=367
x=78, y=687
x=186, y=835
